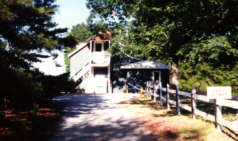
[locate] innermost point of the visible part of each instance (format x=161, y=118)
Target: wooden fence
x=218, y=103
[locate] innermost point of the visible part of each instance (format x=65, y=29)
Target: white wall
x=78, y=61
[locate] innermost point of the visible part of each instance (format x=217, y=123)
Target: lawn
x=166, y=125
x=228, y=113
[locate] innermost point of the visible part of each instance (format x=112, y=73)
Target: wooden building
x=97, y=72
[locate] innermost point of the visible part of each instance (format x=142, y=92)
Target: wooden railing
x=218, y=103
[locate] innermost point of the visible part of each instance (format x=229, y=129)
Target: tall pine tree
x=26, y=29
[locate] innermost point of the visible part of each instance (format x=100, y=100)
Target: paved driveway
x=98, y=118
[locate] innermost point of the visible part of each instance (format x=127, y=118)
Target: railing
x=81, y=72
x=101, y=57
x=218, y=103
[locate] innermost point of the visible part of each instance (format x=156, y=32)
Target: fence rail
x=218, y=103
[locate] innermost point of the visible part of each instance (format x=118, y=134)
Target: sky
x=69, y=13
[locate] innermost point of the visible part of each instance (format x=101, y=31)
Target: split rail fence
x=218, y=103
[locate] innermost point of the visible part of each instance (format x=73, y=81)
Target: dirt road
x=98, y=118
x=113, y=117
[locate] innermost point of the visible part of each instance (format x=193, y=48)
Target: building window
x=101, y=72
x=98, y=47
x=106, y=45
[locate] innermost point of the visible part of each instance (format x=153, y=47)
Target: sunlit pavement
x=98, y=118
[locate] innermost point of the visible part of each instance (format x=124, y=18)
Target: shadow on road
x=75, y=105
x=125, y=131
x=93, y=118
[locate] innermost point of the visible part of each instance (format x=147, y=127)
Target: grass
x=174, y=127
x=229, y=114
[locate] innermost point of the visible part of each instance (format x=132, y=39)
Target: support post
x=153, y=84
x=193, y=101
x=177, y=101
x=141, y=92
x=167, y=97
x=147, y=90
x=127, y=76
x=160, y=94
x=109, y=88
x=160, y=89
x=218, y=114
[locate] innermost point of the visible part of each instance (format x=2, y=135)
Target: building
x=97, y=72
x=136, y=73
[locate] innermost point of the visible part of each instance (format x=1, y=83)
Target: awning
x=146, y=65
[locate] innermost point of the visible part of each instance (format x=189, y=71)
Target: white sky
x=70, y=13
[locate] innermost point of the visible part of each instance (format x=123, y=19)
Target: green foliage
x=199, y=36
x=22, y=89
x=202, y=75
x=80, y=32
x=216, y=49
x=19, y=88
x=97, y=27
x=26, y=29
x=66, y=59
x=171, y=25
x=54, y=85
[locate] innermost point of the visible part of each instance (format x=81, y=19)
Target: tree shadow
x=41, y=123
x=75, y=105
x=85, y=125
x=38, y=124
x=116, y=130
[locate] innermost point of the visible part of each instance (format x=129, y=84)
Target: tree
x=175, y=23
x=26, y=29
x=80, y=32
x=183, y=33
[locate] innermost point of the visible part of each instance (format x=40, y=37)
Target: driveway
x=98, y=118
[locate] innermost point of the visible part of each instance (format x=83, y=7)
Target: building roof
x=79, y=47
x=102, y=37
x=145, y=65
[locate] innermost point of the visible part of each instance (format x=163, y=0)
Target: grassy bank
x=167, y=125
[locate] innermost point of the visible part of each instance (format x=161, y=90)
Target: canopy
x=146, y=65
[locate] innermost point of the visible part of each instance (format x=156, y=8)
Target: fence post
x=167, y=97
x=147, y=92
x=177, y=101
x=160, y=94
x=193, y=100
x=150, y=93
x=218, y=114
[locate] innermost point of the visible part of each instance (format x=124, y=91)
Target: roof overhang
x=146, y=65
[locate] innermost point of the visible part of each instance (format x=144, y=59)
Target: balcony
x=100, y=58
